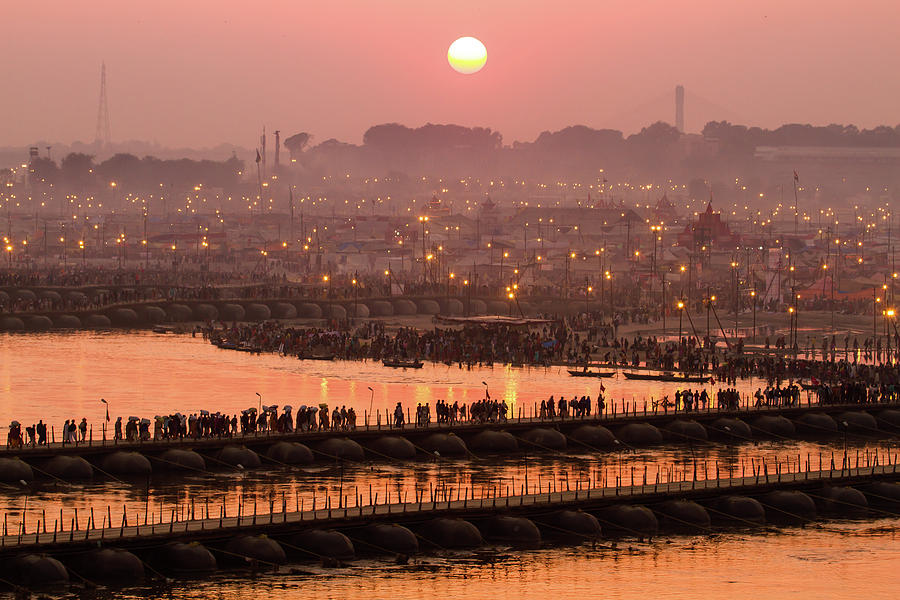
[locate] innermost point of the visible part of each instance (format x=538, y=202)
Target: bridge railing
x=614, y=411
x=876, y=463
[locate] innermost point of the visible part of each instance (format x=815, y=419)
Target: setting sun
x=467, y=55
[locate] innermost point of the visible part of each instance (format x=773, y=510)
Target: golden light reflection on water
x=844, y=560
x=62, y=376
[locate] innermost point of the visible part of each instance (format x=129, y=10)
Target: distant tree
x=296, y=144
x=737, y=138
x=122, y=168
x=389, y=136
x=44, y=170
x=655, y=134
x=76, y=169
x=579, y=138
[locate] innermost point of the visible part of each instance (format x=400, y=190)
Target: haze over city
x=199, y=73
x=409, y=299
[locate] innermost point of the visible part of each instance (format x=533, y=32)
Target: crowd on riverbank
x=468, y=346
x=559, y=343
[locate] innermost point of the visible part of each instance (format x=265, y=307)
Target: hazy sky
x=199, y=72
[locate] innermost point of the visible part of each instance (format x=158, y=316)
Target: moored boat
x=402, y=364
x=315, y=356
x=667, y=377
x=575, y=373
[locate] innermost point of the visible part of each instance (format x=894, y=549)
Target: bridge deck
x=160, y=532
x=616, y=415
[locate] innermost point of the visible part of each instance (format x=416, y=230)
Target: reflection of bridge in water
x=336, y=529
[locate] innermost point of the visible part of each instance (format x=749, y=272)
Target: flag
x=258, y=157
x=602, y=389
x=796, y=176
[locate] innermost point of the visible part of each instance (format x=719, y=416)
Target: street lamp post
x=875, y=300
x=680, y=306
x=423, y=220
x=599, y=254
x=753, y=296
x=175, y=263
x=587, y=296
x=81, y=246
x=734, y=279
x=610, y=292
x=888, y=316
x=103, y=400
x=665, y=307
x=791, y=327
x=355, y=295
x=468, y=296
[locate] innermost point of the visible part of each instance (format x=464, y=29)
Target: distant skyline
x=198, y=72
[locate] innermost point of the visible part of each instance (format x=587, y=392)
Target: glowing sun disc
x=467, y=55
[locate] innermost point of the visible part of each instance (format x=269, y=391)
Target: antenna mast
x=102, y=137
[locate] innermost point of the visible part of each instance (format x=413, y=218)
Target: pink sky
x=200, y=72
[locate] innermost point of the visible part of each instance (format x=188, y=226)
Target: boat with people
x=240, y=347
x=668, y=376
x=397, y=363
x=575, y=373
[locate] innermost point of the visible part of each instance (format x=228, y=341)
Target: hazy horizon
x=203, y=73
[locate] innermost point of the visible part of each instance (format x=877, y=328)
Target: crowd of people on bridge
x=777, y=395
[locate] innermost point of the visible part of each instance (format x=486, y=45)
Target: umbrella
x=252, y=409
x=145, y=421
x=323, y=405
x=134, y=418
x=205, y=413
x=287, y=407
x=15, y=424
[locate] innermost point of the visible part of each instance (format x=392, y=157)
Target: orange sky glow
x=199, y=72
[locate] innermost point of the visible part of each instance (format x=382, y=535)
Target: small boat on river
x=575, y=373
x=674, y=377
x=315, y=356
x=397, y=363
x=241, y=347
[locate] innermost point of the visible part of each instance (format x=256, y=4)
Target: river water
x=56, y=377
x=62, y=376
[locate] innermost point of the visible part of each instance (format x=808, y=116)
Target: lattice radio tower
x=102, y=137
